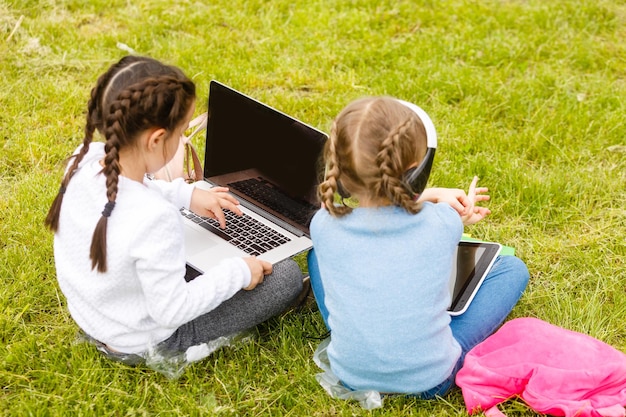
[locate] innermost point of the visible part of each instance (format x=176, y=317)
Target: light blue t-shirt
x=385, y=276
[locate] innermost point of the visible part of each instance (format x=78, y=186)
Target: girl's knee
x=515, y=270
x=287, y=276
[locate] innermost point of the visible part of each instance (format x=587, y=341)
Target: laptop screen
x=243, y=133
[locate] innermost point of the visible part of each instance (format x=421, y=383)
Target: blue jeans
x=493, y=302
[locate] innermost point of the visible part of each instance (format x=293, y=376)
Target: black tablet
x=472, y=263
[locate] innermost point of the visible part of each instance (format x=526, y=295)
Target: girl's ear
x=154, y=139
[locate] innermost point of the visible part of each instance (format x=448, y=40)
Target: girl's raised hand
x=474, y=213
x=212, y=202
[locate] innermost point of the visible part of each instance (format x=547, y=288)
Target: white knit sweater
x=143, y=297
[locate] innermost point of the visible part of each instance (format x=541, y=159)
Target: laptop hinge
x=290, y=228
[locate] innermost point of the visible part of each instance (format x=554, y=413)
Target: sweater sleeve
x=158, y=251
x=177, y=191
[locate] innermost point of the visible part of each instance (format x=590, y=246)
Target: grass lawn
x=530, y=95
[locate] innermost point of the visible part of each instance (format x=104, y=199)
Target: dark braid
x=111, y=171
x=134, y=95
x=159, y=101
x=93, y=122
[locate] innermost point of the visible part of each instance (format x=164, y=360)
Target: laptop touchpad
x=196, y=241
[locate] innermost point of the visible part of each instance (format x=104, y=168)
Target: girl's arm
x=177, y=191
x=455, y=197
x=463, y=203
x=207, y=203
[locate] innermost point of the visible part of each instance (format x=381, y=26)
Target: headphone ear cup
x=415, y=179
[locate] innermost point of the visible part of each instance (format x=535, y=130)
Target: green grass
x=529, y=95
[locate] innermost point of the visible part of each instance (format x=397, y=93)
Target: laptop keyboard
x=264, y=193
x=244, y=232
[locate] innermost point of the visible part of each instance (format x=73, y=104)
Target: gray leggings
x=243, y=311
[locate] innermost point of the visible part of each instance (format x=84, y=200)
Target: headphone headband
x=416, y=178
x=431, y=133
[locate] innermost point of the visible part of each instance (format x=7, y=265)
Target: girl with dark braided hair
x=380, y=266
x=119, y=242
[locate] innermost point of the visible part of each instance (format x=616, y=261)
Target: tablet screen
x=471, y=264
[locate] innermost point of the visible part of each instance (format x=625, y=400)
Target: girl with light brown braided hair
x=119, y=243
x=383, y=255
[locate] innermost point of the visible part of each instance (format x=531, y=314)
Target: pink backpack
x=555, y=371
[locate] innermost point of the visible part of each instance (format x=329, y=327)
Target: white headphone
x=417, y=177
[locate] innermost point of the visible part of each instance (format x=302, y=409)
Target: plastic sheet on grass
x=368, y=399
x=167, y=363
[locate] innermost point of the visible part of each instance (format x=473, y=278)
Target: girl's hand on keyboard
x=258, y=269
x=210, y=203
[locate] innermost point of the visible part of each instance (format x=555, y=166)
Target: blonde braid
x=391, y=170
x=329, y=187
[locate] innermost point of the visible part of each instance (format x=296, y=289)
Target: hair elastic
x=108, y=208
